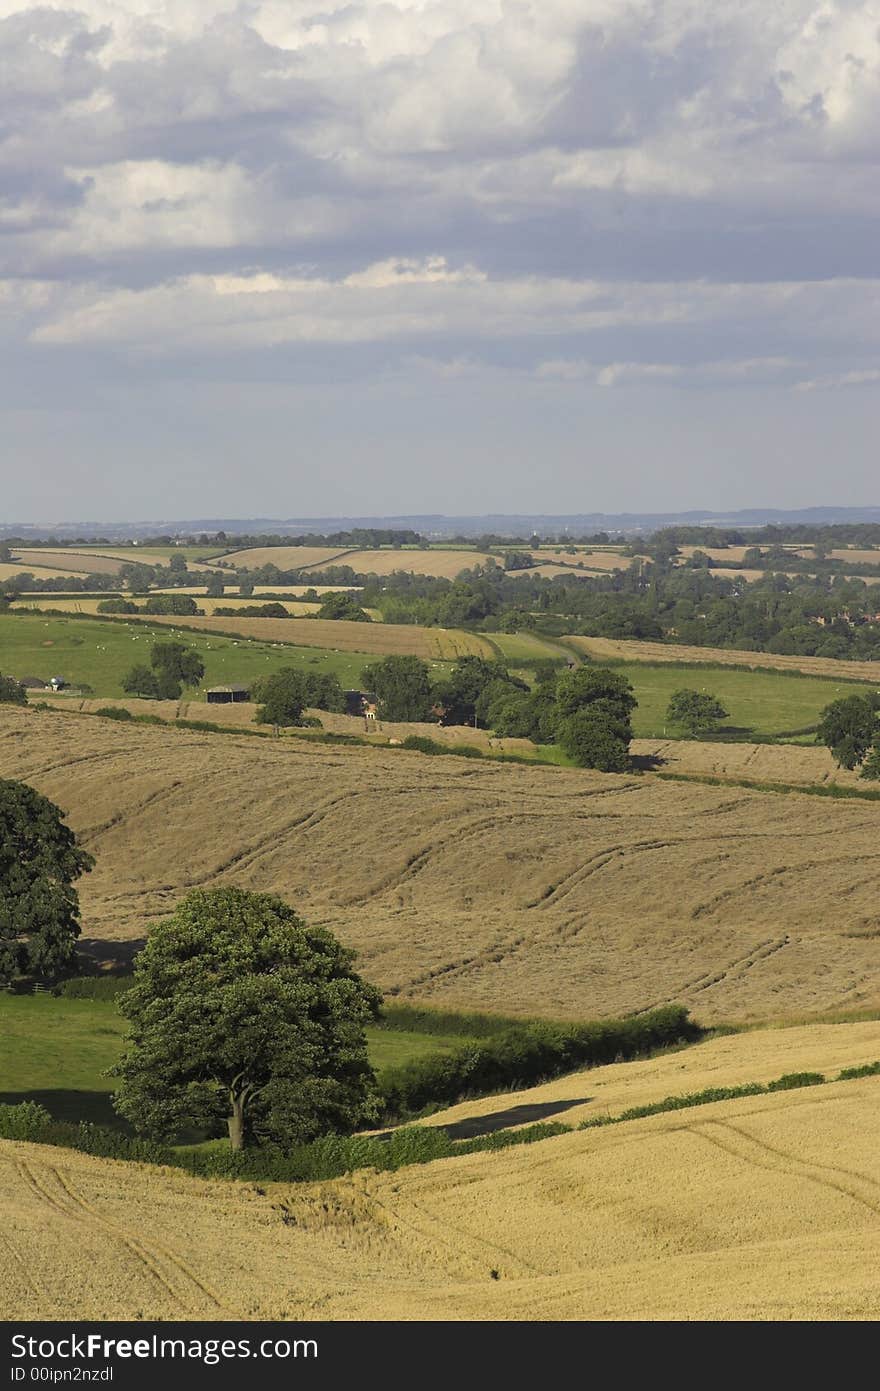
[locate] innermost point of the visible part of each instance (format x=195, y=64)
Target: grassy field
x=478, y=885
x=518, y=649
x=758, y=702
x=100, y=653
x=56, y=1051
x=752, y=1209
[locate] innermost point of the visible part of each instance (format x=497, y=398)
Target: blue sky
x=291, y=258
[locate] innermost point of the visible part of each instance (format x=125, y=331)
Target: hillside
x=765, y=1207
x=526, y=889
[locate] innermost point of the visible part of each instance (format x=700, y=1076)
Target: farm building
x=359, y=702
x=227, y=695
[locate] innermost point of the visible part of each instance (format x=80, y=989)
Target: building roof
x=235, y=686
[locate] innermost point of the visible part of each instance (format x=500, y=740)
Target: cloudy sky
x=302, y=257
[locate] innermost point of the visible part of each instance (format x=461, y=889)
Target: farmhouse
x=227, y=695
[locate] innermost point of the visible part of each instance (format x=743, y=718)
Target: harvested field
x=604, y=649
x=786, y=763
x=340, y=635
x=591, y=560
x=761, y=1208
x=855, y=556
x=14, y=572
x=477, y=884
x=442, y=564
x=107, y=562
x=548, y=571
x=283, y=557
x=90, y=605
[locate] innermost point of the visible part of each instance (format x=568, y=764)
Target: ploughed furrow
x=51, y=1189
x=570, y=882
x=708, y=979
x=709, y=906
x=155, y=1250
x=419, y=859
x=89, y=835
x=736, y=1141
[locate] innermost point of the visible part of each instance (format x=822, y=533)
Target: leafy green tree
x=589, y=685
x=214, y=587
x=246, y=587
x=473, y=688
x=12, y=692
x=39, y=862
x=593, y=724
x=594, y=738
x=141, y=681
x=283, y=698
x=849, y=727
x=177, y=564
x=402, y=687
x=243, y=1014
x=182, y=604
x=695, y=712
x=117, y=606
x=178, y=662
x=343, y=606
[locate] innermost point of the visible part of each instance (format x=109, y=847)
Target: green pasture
x=56, y=1051
x=99, y=653
x=758, y=702
x=518, y=649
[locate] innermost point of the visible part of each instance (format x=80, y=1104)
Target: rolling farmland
x=469, y=884
x=341, y=635
x=621, y=650
x=442, y=564
x=764, y=1207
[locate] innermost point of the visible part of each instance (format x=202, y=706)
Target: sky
x=311, y=258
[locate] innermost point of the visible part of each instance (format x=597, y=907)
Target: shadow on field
x=70, y=1105
x=514, y=1115
x=114, y=958
x=646, y=762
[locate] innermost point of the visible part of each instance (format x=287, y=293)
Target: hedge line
x=526, y=1054
x=334, y=1155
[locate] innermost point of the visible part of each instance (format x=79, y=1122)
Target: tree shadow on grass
x=72, y=1106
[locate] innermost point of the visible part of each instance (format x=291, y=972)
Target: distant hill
x=438, y=526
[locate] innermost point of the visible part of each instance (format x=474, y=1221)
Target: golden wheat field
x=283, y=557
x=762, y=1208
x=629, y=651
x=464, y=883
x=13, y=572
x=341, y=635
x=73, y=562
x=591, y=560
x=80, y=604
x=444, y=565
x=785, y=763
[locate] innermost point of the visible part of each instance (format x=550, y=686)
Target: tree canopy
x=696, y=712
x=39, y=862
x=849, y=727
x=243, y=1015
x=402, y=687
x=12, y=692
